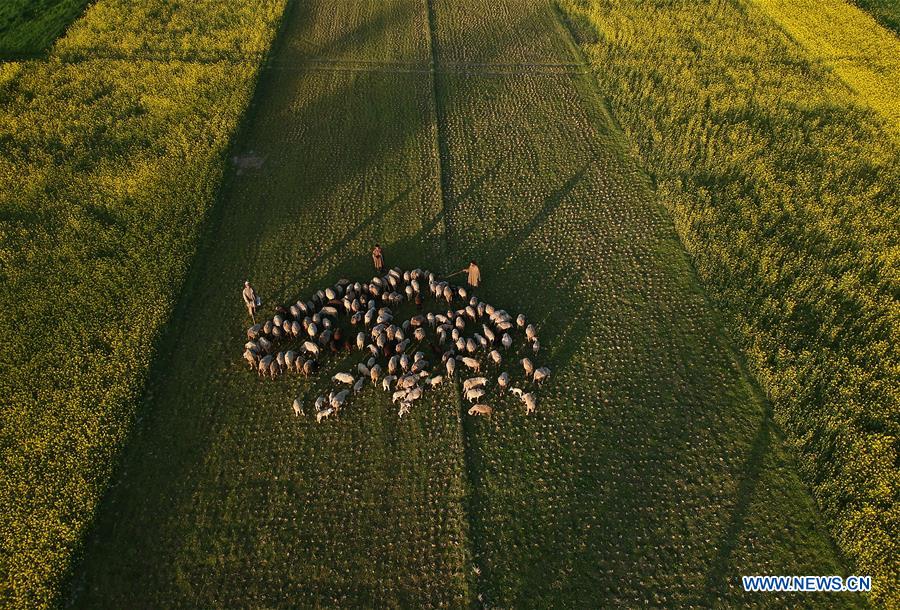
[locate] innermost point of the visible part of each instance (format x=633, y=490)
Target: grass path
x=652, y=474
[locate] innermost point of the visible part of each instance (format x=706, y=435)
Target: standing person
x=378, y=258
x=250, y=300
x=474, y=274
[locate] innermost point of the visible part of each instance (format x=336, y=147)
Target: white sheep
x=530, y=332
x=474, y=394
x=496, y=357
x=343, y=378
x=503, y=381
x=473, y=382
x=530, y=403
x=506, y=341
x=298, y=408
x=358, y=386
x=387, y=382
x=528, y=366
x=320, y=415
x=451, y=367
x=541, y=374
x=472, y=363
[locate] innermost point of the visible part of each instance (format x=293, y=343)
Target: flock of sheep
x=392, y=353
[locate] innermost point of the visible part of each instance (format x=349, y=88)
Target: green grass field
x=692, y=201
x=29, y=27
x=652, y=474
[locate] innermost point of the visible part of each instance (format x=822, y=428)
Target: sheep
x=460, y=323
x=496, y=357
x=279, y=358
x=312, y=330
x=404, y=409
x=324, y=413
x=375, y=373
x=473, y=382
x=448, y=294
x=250, y=357
x=278, y=320
x=358, y=386
x=265, y=345
x=520, y=320
x=480, y=410
x=419, y=366
x=296, y=328
x=503, y=381
x=463, y=294
x=419, y=334
x=325, y=338
x=404, y=363
x=506, y=341
x=298, y=364
x=530, y=332
x=473, y=364
x=330, y=293
x=470, y=311
x=541, y=374
x=530, y=403
x=407, y=382
x=414, y=394
x=343, y=378
x=481, y=341
x=460, y=344
x=516, y=392
x=401, y=347
x=360, y=341
x=536, y=346
x=253, y=331
x=434, y=381
x=387, y=382
x=451, y=367
x=363, y=369
x=264, y=363
x=474, y=394
x=298, y=408
x=489, y=334
x=311, y=348
x=398, y=395
x=470, y=346
x=393, y=364
x=528, y=366
x=310, y=367
x=337, y=400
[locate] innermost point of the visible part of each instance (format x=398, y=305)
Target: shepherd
x=378, y=258
x=474, y=274
x=250, y=300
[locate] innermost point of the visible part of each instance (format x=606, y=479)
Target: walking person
x=251, y=300
x=378, y=258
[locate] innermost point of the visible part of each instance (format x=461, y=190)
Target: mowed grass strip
x=107, y=172
x=652, y=473
x=848, y=41
x=228, y=499
x=29, y=27
x=784, y=191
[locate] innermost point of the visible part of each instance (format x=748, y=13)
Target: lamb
x=472, y=363
x=528, y=366
x=358, y=386
x=298, y=408
x=530, y=403
x=520, y=320
x=541, y=374
x=516, y=392
x=404, y=409
x=506, y=341
x=480, y=410
x=320, y=403
x=324, y=413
